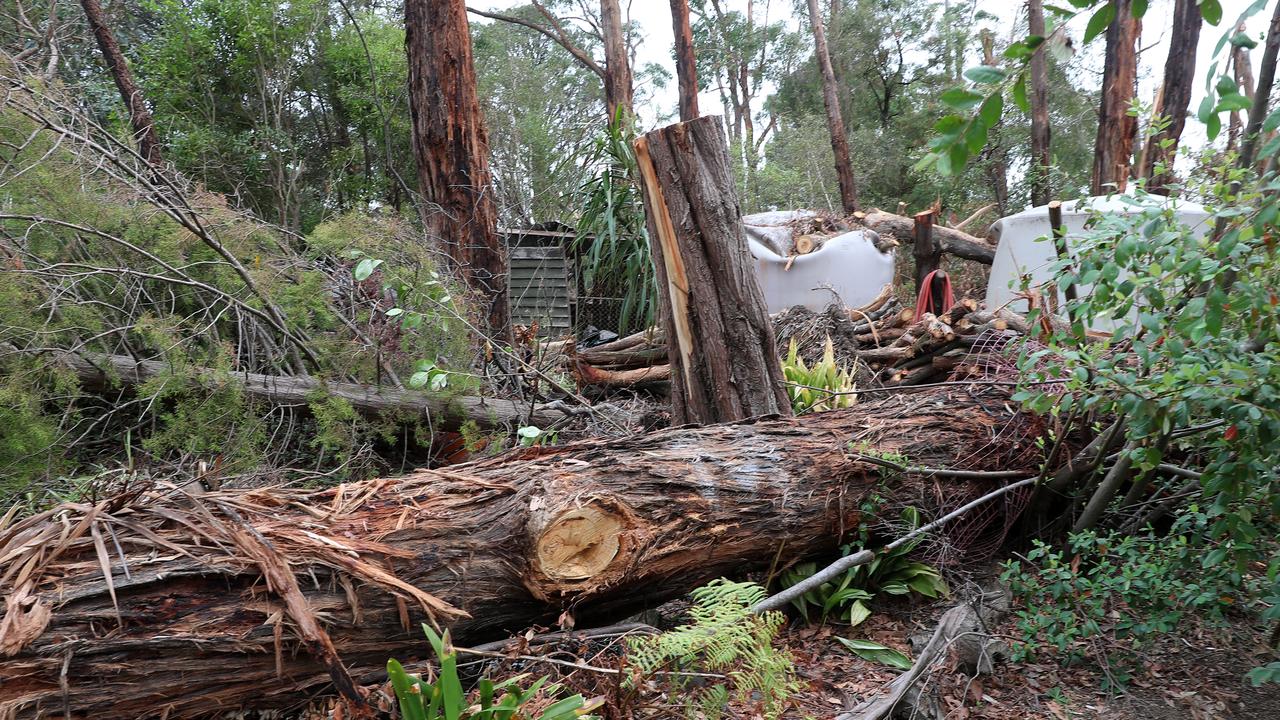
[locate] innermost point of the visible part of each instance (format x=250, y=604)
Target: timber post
x=928, y=254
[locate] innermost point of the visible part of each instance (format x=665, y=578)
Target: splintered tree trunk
x=617, y=66
x=266, y=599
x=451, y=147
x=686, y=61
x=724, y=365
x=835, y=123
x=1040, y=155
x=144, y=130
x=1175, y=96
x=1113, y=151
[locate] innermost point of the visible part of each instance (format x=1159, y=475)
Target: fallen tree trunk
x=447, y=413
x=192, y=606
x=960, y=244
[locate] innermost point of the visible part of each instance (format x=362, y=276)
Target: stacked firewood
x=891, y=345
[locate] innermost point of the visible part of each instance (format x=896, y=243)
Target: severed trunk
x=451, y=147
x=835, y=123
x=617, y=66
x=266, y=599
x=1041, y=162
x=723, y=364
x=1117, y=129
x=686, y=61
x=1175, y=97
x=144, y=128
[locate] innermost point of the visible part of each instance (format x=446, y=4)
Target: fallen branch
x=954, y=242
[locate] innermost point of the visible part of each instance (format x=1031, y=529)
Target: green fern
x=726, y=638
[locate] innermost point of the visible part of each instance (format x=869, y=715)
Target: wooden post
x=724, y=365
x=928, y=252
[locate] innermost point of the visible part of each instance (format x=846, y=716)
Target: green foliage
x=890, y=573
x=825, y=386
x=875, y=652
x=725, y=637
x=612, y=239
x=1127, y=589
x=444, y=699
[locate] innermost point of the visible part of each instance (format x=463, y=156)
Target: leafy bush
x=825, y=386
x=723, y=637
x=1127, y=589
x=444, y=699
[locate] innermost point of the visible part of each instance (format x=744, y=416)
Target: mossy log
x=160, y=604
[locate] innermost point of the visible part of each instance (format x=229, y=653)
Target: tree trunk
x=1113, y=151
x=724, y=365
x=686, y=61
x=1262, y=94
x=263, y=599
x=451, y=147
x=1041, y=161
x=144, y=129
x=835, y=123
x=617, y=81
x=1175, y=96
x=97, y=371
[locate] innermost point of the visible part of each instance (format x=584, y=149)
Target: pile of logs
x=893, y=345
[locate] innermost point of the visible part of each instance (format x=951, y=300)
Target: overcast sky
x=654, y=19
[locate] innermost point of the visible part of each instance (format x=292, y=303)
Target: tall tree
x=839, y=142
x=144, y=129
x=1117, y=129
x=1175, y=96
x=1242, y=70
x=451, y=148
x=1040, y=133
x=686, y=60
x=618, y=89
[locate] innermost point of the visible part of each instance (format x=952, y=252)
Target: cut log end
x=579, y=544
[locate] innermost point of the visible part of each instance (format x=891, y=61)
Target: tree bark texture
x=451, y=148
x=268, y=598
x=618, y=88
x=686, y=61
x=724, y=365
x=1262, y=94
x=144, y=128
x=1041, y=157
x=1117, y=130
x=447, y=413
x=835, y=123
x=1175, y=96
x=954, y=242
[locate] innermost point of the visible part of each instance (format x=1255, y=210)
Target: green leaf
x=1225, y=85
x=1211, y=11
x=960, y=98
x=1212, y=127
x=403, y=685
x=975, y=137
x=875, y=652
x=1099, y=22
x=985, y=75
x=858, y=612
x=419, y=380
x=990, y=113
x=1020, y=94
x=563, y=709
x=1206, y=109
x=1241, y=40
x=1272, y=122
x=1233, y=102
x=1139, y=8
x=365, y=268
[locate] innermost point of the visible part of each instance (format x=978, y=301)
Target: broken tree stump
x=162, y=604
x=723, y=363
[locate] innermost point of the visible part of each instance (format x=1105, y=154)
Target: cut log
x=199, y=616
x=447, y=413
x=589, y=375
x=954, y=242
x=724, y=365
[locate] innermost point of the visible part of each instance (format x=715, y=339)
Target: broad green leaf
x=1242, y=40
x=1272, y=122
x=990, y=112
x=1211, y=11
x=1206, y=109
x=1139, y=8
x=985, y=75
x=858, y=612
x=1099, y=22
x=365, y=268
x=1213, y=126
x=419, y=379
x=875, y=652
x=1020, y=94
x=960, y=98
x=1233, y=102
x=1225, y=85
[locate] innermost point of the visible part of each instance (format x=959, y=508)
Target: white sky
x=654, y=19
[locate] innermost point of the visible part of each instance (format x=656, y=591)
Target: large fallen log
x=162, y=604
x=96, y=370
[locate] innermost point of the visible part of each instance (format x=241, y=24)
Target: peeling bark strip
x=451, y=147
x=484, y=548
x=723, y=364
x=144, y=129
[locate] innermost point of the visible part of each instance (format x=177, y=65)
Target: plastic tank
x=847, y=269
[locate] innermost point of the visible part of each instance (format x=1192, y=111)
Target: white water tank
x=846, y=268
x=1026, y=246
